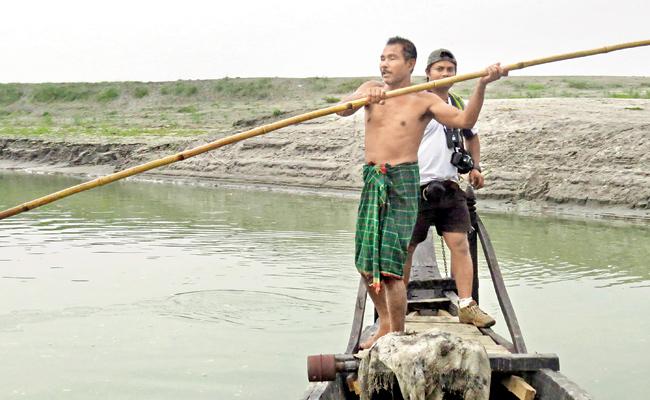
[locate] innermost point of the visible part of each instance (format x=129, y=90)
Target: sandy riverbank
x=578, y=157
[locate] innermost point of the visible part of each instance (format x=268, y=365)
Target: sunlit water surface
x=162, y=291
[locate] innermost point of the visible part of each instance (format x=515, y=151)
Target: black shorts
x=449, y=214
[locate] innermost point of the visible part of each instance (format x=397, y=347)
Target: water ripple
x=261, y=310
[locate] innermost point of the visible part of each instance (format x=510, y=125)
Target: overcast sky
x=67, y=40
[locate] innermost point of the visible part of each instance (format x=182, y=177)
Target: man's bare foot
x=368, y=343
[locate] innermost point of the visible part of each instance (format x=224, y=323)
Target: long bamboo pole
x=294, y=120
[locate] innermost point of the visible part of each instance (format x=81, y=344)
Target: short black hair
x=408, y=48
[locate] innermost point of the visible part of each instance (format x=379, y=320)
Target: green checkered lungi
x=387, y=213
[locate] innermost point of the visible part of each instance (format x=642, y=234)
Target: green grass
x=630, y=94
x=96, y=131
x=108, y=94
x=47, y=118
x=188, y=109
x=179, y=89
x=582, y=84
x=94, y=109
x=244, y=88
x=349, y=86
x=318, y=84
x=140, y=92
x=9, y=94
x=48, y=93
x=535, y=86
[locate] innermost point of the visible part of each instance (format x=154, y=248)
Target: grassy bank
x=192, y=108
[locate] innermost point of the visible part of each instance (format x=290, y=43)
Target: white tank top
x=434, y=157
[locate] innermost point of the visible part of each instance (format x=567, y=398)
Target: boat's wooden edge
x=325, y=391
x=553, y=385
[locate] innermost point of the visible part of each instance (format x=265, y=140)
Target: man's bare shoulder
x=428, y=97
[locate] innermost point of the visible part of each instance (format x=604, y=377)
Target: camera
x=462, y=161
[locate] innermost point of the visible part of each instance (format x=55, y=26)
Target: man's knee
x=457, y=241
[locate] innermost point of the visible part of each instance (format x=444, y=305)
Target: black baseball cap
x=440, y=55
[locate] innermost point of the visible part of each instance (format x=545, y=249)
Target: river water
x=164, y=291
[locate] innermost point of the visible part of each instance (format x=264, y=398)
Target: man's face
x=393, y=66
x=441, y=69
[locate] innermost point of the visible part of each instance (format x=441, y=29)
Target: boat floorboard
x=421, y=323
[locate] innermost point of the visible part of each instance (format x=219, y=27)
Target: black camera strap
x=455, y=136
x=460, y=158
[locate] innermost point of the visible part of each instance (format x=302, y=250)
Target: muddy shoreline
x=578, y=158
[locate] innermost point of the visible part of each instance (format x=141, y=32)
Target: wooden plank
x=435, y=302
x=453, y=306
x=454, y=328
x=431, y=318
x=498, y=339
x=523, y=362
x=519, y=387
x=496, y=350
x=427, y=304
x=472, y=241
x=324, y=390
x=353, y=383
x=416, y=294
x=445, y=313
x=500, y=287
x=357, y=321
x=433, y=283
x=552, y=385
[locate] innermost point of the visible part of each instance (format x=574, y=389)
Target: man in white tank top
x=443, y=203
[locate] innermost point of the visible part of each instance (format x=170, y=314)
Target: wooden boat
x=516, y=372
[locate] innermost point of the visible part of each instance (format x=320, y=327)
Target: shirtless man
x=389, y=200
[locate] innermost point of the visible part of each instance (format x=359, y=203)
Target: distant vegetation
x=188, y=109
x=48, y=93
x=588, y=86
x=108, y=94
x=179, y=89
x=140, y=91
x=9, y=94
x=244, y=88
x=219, y=107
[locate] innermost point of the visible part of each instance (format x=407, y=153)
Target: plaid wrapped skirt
x=387, y=213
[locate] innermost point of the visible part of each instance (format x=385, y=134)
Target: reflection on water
x=536, y=251
x=165, y=291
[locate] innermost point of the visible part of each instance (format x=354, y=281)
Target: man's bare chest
x=404, y=115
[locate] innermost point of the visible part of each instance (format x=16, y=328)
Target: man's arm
x=474, y=149
x=374, y=90
x=455, y=118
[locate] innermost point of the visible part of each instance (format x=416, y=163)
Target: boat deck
x=421, y=323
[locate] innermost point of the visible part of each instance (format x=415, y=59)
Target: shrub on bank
x=48, y=93
x=9, y=94
x=108, y=94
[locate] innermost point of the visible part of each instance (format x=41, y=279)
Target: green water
x=163, y=291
